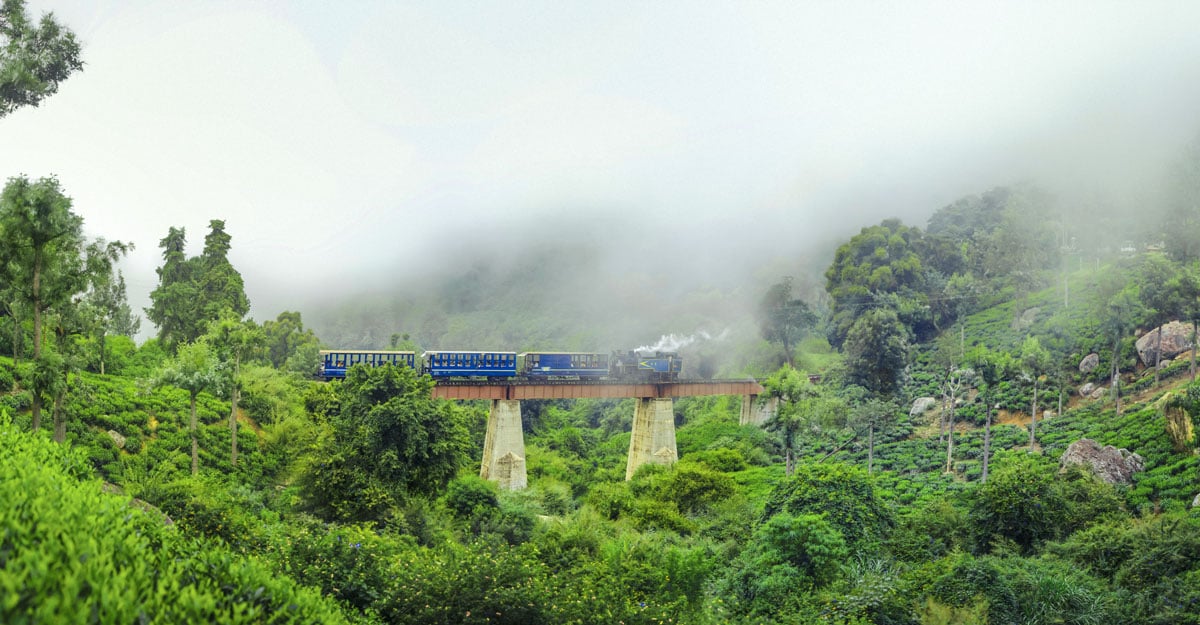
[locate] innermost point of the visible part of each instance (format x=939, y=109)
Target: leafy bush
x=1018, y=503
x=73, y=554
x=725, y=460
x=842, y=493
x=789, y=556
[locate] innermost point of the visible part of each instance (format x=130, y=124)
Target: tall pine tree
x=194, y=292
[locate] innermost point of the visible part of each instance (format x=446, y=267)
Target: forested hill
x=864, y=498
x=989, y=417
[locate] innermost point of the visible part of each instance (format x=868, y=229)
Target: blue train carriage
x=656, y=367
x=463, y=364
x=335, y=362
x=581, y=365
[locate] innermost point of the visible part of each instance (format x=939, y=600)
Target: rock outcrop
x=920, y=405
x=1089, y=363
x=1025, y=321
x=1176, y=339
x=1115, y=466
x=1086, y=389
x=117, y=439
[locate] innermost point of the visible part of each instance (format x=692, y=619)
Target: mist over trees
x=204, y=476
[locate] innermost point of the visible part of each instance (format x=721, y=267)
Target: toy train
x=630, y=365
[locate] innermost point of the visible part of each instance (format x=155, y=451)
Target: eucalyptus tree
x=1159, y=285
x=34, y=58
x=876, y=350
x=784, y=319
x=1188, y=287
x=802, y=405
x=1124, y=310
x=991, y=367
x=1035, y=361
x=235, y=342
x=195, y=369
x=45, y=258
x=957, y=380
x=111, y=312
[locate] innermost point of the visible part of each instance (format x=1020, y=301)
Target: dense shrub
x=842, y=493
x=1018, y=503
x=788, y=557
x=929, y=531
x=73, y=554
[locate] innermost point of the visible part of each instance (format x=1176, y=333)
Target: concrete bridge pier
x=755, y=412
x=653, y=438
x=504, y=446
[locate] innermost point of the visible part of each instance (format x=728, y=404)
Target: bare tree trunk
x=233, y=428
x=1193, y=369
x=103, y=341
x=60, y=423
x=195, y=448
x=871, y=449
x=1033, y=416
x=789, y=463
x=1116, y=373
x=233, y=403
x=36, y=406
x=987, y=440
x=950, y=442
x=942, y=422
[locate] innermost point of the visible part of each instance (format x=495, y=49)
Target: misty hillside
x=845, y=506
x=949, y=254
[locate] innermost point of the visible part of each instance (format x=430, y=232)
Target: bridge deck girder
x=562, y=390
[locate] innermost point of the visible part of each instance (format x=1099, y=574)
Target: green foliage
x=73, y=554
x=876, y=352
x=932, y=529
x=610, y=500
x=1018, y=503
x=691, y=487
x=844, y=494
x=1023, y=590
x=290, y=346
x=45, y=263
x=37, y=57
x=194, y=292
x=389, y=439
x=783, y=319
x=724, y=460
x=878, y=268
x=788, y=557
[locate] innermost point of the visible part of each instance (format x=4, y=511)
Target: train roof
x=566, y=353
x=364, y=351
x=467, y=351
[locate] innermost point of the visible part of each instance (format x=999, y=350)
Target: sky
x=357, y=143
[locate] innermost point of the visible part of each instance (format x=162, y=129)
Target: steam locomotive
x=628, y=365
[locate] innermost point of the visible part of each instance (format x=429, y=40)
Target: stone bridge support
x=653, y=438
x=504, y=446
x=755, y=412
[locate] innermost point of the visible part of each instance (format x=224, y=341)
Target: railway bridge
x=653, y=436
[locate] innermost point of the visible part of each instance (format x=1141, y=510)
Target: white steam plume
x=674, y=342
